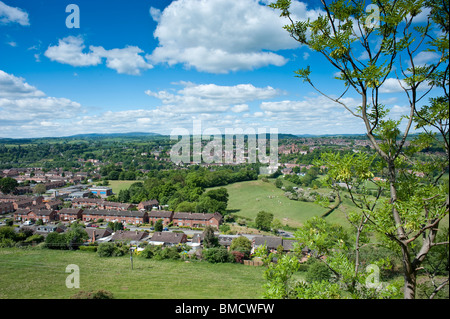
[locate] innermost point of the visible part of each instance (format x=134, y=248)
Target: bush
x=160, y=253
x=88, y=248
x=36, y=238
x=98, y=294
x=217, y=255
x=111, y=250
x=55, y=240
x=238, y=256
x=318, y=271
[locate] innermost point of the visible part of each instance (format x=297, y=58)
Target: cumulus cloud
x=210, y=98
x=22, y=104
x=219, y=36
x=240, y=108
x=12, y=87
x=13, y=15
x=70, y=51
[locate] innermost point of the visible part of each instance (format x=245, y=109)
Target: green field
x=41, y=274
x=117, y=186
x=246, y=199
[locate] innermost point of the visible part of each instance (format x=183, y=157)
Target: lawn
x=40, y=273
x=117, y=186
x=246, y=199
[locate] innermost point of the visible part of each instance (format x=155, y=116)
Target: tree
x=75, y=236
x=8, y=185
x=264, y=220
x=39, y=189
x=209, y=239
x=159, y=225
x=242, y=244
x=344, y=35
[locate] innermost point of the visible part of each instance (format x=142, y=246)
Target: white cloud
x=23, y=104
x=240, y=108
x=210, y=98
x=12, y=87
x=70, y=51
x=13, y=15
x=219, y=36
x=125, y=61
x=394, y=85
x=425, y=57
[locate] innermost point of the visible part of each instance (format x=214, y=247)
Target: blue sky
x=156, y=65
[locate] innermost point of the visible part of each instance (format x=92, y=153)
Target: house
x=125, y=217
x=272, y=243
x=132, y=236
x=102, y=191
x=28, y=202
x=115, y=205
x=46, y=229
x=155, y=215
x=46, y=215
x=197, y=219
x=148, y=205
x=168, y=238
x=6, y=207
x=54, y=204
x=86, y=202
x=100, y=204
x=96, y=234
x=69, y=214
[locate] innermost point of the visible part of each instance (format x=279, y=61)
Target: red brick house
x=148, y=205
x=96, y=234
x=155, y=215
x=28, y=202
x=197, y=219
x=125, y=217
x=99, y=204
x=168, y=238
x=116, y=206
x=6, y=207
x=124, y=235
x=86, y=202
x=69, y=214
x=46, y=215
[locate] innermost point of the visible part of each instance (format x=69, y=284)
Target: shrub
x=110, y=250
x=318, y=271
x=55, y=240
x=238, y=256
x=88, y=248
x=98, y=294
x=36, y=238
x=217, y=255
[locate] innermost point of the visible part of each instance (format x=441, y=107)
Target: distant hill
x=130, y=134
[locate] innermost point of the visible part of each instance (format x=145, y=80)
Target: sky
x=158, y=65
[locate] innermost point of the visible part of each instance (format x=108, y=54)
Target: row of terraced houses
x=124, y=216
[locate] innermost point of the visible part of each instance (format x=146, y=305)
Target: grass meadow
x=41, y=274
x=248, y=198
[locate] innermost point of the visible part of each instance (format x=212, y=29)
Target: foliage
x=111, y=250
x=280, y=284
x=209, y=239
x=96, y=294
x=217, y=255
x=409, y=219
x=264, y=220
x=318, y=271
x=8, y=185
x=159, y=225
